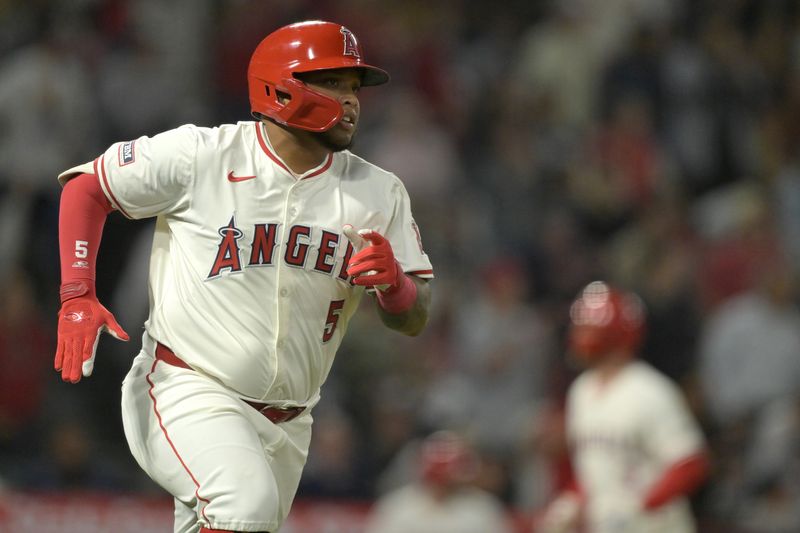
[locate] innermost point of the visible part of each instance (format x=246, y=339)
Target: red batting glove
x=375, y=266
x=80, y=320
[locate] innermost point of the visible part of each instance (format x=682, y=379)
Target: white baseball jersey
x=623, y=434
x=247, y=275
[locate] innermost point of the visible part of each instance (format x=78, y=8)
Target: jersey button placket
x=291, y=207
x=281, y=300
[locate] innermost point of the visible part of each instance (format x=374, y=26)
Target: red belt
x=275, y=414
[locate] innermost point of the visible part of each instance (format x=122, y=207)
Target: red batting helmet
x=604, y=319
x=446, y=458
x=297, y=48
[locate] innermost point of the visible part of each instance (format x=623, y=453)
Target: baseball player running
x=635, y=449
x=267, y=235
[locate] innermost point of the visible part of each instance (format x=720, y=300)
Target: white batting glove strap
x=88, y=365
x=354, y=236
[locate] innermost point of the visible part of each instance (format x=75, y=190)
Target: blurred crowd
x=544, y=144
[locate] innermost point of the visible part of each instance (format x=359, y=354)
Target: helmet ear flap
x=308, y=109
x=293, y=103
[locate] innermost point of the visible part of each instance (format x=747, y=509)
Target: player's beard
x=333, y=142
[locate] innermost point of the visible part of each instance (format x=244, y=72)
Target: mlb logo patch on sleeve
x=126, y=153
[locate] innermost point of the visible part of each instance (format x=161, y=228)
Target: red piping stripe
x=175, y=451
x=321, y=169
x=278, y=162
x=102, y=174
x=267, y=150
x=421, y=273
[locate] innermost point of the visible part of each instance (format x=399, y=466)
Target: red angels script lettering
x=263, y=244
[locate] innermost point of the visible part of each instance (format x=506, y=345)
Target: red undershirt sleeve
x=680, y=479
x=82, y=216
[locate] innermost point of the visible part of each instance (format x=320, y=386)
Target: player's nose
x=349, y=98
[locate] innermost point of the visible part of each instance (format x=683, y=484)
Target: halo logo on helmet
x=350, y=46
x=310, y=46
x=604, y=319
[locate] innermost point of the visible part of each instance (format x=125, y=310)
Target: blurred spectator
x=565, y=38
x=542, y=469
x=517, y=170
x=442, y=499
x=395, y=421
x=748, y=366
x=152, y=79
x=45, y=106
x=334, y=469
x=488, y=43
x=781, y=139
x=740, y=85
x=637, y=71
x=49, y=122
x=657, y=254
x=504, y=347
x=771, y=499
x=689, y=123
x=748, y=356
x=738, y=236
x=72, y=462
x=412, y=145
x=621, y=169
x=567, y=258
x=26, y=345
x=238, y=30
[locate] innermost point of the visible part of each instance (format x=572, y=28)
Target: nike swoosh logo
x=236, y=179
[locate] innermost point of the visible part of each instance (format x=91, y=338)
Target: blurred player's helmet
x=295, y=49
x=604, y=319
x=446, y=459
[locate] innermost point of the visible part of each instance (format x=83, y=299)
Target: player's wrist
x=400, y=296
x=70, y=290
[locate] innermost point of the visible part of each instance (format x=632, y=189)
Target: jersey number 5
x=333, y=319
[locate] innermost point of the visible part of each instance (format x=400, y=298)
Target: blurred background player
x=636, y=450
x=443, y=498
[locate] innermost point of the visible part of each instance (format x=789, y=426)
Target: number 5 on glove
x=80, y=322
